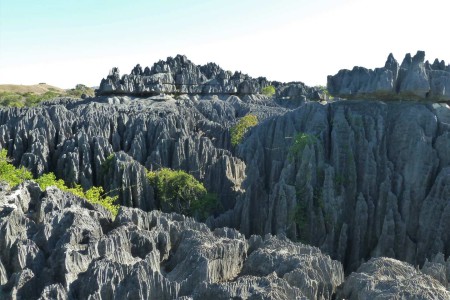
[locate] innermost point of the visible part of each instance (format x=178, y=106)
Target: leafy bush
x=14, y=176
x=10, y=99
x=178, y=191
x=268, y=90
x=242, y=126
x=95, y=195
x=11, y=175
x=301, y=140
x=323, y=89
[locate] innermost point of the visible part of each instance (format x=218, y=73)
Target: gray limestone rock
x=179, y=75
x=414, y=79
x=371, y=180
x=59, y=246
x=384, y=278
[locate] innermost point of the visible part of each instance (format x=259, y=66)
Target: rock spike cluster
x=179, y=75
x=413, y=79
x=371, y=179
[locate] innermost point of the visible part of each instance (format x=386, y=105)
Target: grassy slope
x=29, y=95
x=38, y=89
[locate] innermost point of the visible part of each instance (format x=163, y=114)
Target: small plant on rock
x=242, y=126
x=301, y=140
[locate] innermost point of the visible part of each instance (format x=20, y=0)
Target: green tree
x=178, y=191
x=242, y=126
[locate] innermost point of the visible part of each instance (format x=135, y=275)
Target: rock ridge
x=413, y=79
x=179, y=75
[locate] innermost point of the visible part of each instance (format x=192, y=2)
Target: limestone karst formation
x=363, y=178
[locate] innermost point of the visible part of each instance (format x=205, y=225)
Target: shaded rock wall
x=372, y=181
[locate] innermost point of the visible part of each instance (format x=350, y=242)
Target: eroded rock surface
x=385, y=278
x=413, y=79
x=55, y=245
x=178, y=75
x=372, y=179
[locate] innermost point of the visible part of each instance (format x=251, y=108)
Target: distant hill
x=29, y=95
x=38, y=89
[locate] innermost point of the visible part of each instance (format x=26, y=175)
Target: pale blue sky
x=66, y=42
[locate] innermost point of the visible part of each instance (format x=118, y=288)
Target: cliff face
x=372, y=179
x=414, y=79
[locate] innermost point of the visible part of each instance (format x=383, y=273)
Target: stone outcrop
x=179, y=75
x=385, y=278
x=55, y=245
x=372, y=179
x=413, y=79
x=74, y=140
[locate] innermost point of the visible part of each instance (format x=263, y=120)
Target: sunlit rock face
x=413, y=79
x=55, y=245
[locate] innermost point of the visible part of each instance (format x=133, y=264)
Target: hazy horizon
x=64, y=43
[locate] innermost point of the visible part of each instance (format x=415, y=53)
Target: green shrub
x=95, y=195
x=268, y=90
x=323, y=89
x=10, y=99
x=11, y=175
x=242, y=126
x=178, y=191
x=301, y=140
x=107, y=163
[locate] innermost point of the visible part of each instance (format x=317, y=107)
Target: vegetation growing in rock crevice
x=242, y=126
x=107, y=163
x=323, y=89
x=268, y=90
x=301, y=140
x=14, y=176
x=178, y=191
